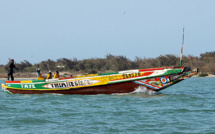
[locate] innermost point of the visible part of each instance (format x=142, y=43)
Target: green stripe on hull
x=108, y=73
x=176, y=71
x=38, y=80
x=27, y=86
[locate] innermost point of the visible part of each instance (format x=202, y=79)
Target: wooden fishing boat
x=126, y=81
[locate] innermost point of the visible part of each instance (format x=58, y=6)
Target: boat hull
x=125, y=87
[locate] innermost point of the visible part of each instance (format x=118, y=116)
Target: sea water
x=187, y=107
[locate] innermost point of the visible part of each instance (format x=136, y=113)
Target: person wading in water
x=10, y=70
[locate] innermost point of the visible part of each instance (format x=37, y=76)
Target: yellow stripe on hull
x=30, y=81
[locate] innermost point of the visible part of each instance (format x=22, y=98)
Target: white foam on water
x=142, y=89
x=57, y=94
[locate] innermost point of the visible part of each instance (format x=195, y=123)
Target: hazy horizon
x=39, y=30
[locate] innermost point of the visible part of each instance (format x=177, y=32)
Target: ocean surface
x=187, y=107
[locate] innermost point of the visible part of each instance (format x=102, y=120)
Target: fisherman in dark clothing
x=10, y=70
x=38, y=70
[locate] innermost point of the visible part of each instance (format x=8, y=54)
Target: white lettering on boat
x=31, y=86
x=68, y=84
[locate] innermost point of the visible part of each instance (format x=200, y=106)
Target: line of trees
x=205, y=62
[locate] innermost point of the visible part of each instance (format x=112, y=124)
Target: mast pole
x=182, y=48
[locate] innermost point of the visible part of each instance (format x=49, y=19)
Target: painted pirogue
x=126, y=81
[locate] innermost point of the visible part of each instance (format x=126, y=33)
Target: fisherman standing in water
x=10, y=70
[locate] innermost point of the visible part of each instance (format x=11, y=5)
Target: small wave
x=139, y=90
x=142, y=89
x=57, y=94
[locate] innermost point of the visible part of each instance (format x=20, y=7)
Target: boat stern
x=3, y=87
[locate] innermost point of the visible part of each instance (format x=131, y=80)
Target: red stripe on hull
x=66, y=78
x=147, y=73
x=150, y=69
x=125, y=87
x=12, y=81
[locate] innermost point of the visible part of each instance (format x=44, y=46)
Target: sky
x=38, y=30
